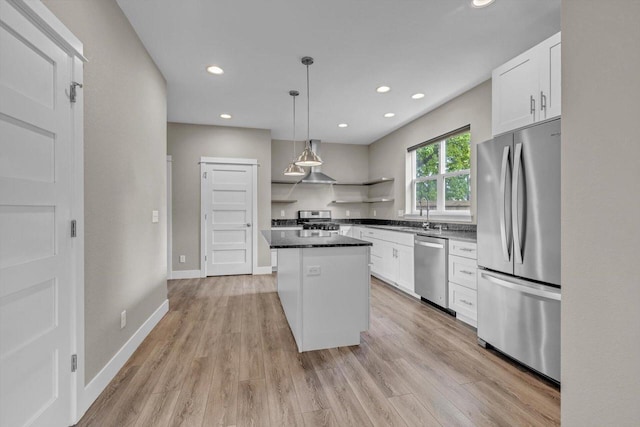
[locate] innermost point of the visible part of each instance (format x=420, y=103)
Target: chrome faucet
x=424, y=200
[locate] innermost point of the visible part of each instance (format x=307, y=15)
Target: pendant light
x=308, y=157
x=293, y=169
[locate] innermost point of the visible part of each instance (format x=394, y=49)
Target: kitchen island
x=323, y=285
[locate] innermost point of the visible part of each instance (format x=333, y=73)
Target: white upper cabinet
x=550, y=77
x=527, y=88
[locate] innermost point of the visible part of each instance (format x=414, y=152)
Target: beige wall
x=600, y=205
x=342, y=162
x=125, y=148
x=186, y=143
x=387, y=156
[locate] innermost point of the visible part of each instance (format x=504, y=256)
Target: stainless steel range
x=317, y=220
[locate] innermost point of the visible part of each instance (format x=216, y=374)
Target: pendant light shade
x=293, y=169
x=308, y=157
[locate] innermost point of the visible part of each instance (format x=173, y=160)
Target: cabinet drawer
x=464, y=249
x=463, y=271
x=401, y=238
x=464, y=302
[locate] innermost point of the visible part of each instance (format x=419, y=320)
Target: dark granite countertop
x=463, y=235
x=285, y=239
x=453, y=231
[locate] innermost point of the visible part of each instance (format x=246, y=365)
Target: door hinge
x=204, y=175
x=73, y=91
x=74, y=228
x=74, y=362
x=205, y=257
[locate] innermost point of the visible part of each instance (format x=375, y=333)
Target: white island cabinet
x=323, y=285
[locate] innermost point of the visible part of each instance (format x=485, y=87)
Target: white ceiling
x=439, y=47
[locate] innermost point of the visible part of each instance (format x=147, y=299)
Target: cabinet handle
x=543, y=101
x=532, y=104
x=464, y=301
x=465, y=249
x=467, y=272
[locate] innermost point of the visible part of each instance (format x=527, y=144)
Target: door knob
x=248, y=224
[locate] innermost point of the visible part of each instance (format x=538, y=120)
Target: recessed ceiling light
x=343, y=125
x=214, y=69
x=481, y=3
x=383, y=89
x=387, y=115
x=417, y=96
x=225, y=116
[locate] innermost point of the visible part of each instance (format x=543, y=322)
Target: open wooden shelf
x=371, y=200
x=283, y=201
x=370, y=182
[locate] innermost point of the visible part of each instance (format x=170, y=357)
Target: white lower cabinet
x=463, y=269
x=391, y=257
x=464, y=302
x=274, y=259
x=404, y=265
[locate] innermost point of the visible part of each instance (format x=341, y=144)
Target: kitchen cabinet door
x=404, y=267
x=526, y=89
x=388, y=261
x=514, y=87
x=550, y=74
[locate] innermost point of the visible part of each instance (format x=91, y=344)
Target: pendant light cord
x=294, y=128
x=308, y=113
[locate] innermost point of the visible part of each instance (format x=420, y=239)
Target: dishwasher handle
x=429, y=245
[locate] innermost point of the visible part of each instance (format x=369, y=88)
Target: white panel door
x=35, y=246
x=229, y=214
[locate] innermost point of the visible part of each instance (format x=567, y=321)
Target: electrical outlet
x=155, y=216
x=348, y=212
x=400, y=213
x=374, y=212
x=183, y=259
x=123, y=319
x=313, y=270
x=282, y=213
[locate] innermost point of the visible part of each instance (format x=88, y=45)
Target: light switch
x=282, y=213
x=374, y=212
x=155, y=216
x=348, y=213
x=183, y=258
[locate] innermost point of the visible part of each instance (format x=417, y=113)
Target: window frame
x=440, y=212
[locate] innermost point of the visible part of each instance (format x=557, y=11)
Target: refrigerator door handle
x=515, y=216
x=503, y=193
x=522, y=288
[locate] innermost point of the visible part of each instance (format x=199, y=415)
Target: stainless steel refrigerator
x=519, y=246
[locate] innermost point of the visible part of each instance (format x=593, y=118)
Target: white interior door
x=229, y=216
x=35, y=243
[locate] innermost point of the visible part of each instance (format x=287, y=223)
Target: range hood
x=315, y=176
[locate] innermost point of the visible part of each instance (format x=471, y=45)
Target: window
x=440, y=175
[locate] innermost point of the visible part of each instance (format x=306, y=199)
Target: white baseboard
x=262, y=270
x=185, y=274
x=104, y=377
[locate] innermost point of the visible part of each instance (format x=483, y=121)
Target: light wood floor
x=224, y=356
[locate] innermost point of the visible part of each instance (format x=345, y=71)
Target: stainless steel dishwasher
x=430, y=269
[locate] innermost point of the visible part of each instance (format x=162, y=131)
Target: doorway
x=228, y=216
